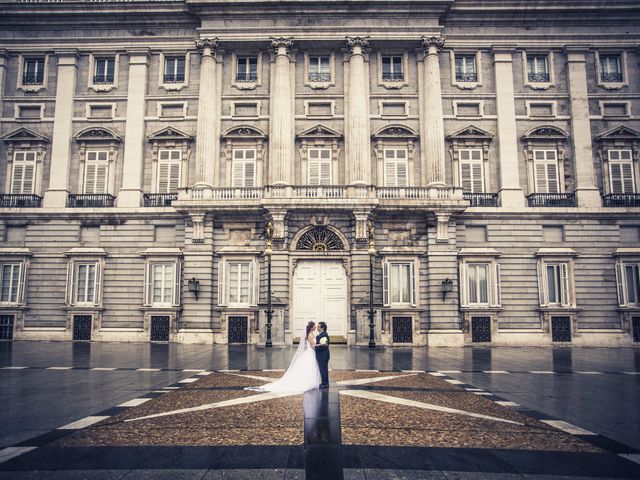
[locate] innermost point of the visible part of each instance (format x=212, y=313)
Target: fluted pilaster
x=434, y=123
x=207, y=137
x=281, y=138
x=357, y=130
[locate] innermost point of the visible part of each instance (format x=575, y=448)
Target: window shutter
x=177, y=284
x=385, y=282
x=70, y=288
x=463, y=273
x=542, y=284
x=325, y=173
x=413, y=286
x=627, y=177
x=28, y=179
x=252, y=283
x=18, y=175
x=552, y=178
x=465, y=177
x=221, y=283
x=97, y=282
x=541, y=177
x=163, y=177
x=495, y=285
x=148, y=294
x=249, y=174
x=101, y=178
x=615, y=172
x=565, y=294
x=238, y=174
x=22, y=266
x=622, y=300
x=402, y=178
x=390, y=173
x=478, y=181
x=314, y=173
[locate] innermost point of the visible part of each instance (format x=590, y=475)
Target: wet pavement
x=585, y=394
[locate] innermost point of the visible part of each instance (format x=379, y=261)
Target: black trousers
x=323, y=364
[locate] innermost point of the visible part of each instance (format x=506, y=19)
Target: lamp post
x=447, y=286
x=268, y=250
x=372, y=253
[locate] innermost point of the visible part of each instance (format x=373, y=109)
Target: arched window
x=319, y=239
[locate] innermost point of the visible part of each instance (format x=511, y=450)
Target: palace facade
x=477, y=163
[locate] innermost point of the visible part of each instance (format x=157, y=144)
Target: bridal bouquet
x=323, y=341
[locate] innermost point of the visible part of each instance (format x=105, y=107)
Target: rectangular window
x=33, y=71
x=538, y=68
x=29, y=111
x=621, y=171
x=466, y=68
x=10, y=277
x=23, y=175
x=162, y=283
x=247, y=69
x=244, y=168
x=610, y=68
x=169, y=169
x=554, y=283
x=478, y=288
x=632, y=284
x=96, y=172
x=104, y=71
x=85, y=285
x=545, y=164
x=395, y=167
x=319, y=69
x=239, y=283
x=392, y=69
x=480, y=283
x=319, y=166
x=174, y=70
x=399, y=283
x=471, y=170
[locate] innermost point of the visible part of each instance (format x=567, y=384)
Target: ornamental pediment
x=97, y=134
x=395, y=131
x=244, y=131
x=546, y=132
x=169, y=133
x=24, y=135
x=471, y=132
x=621, y=132
x=319, y=131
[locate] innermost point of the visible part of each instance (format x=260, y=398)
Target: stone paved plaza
x=108, y=411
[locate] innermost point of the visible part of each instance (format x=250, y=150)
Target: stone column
x=357, y=130
x=130, y=195
x=281, y=138
x=207, y=135
x=4, y=57
x=56, y=194
x=511, y=195
x=434, y=123
x=587, y=193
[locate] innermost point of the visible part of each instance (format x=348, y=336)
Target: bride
x=303, y=373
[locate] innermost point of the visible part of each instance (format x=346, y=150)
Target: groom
x=322, y=353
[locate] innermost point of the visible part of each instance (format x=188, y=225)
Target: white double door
x=320, y=295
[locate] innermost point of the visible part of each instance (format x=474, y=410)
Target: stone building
x=146, y=147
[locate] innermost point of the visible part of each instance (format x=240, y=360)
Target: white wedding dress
x=302, y=375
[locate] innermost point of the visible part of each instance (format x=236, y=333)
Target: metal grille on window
x=6, y=327
x=319, y=239
x=635, y=326
x=402, y=330
x=160, y=328
x=238, y=327
x=480, y=329
x=82, y=327
x=560, y=329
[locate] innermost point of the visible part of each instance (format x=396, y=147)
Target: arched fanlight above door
x=320, y=239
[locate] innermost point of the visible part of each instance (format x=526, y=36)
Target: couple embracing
x=309, y=367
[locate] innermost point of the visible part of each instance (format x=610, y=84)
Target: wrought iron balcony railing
x=481, y=199
x=393, y=77
x=90, y=200
x=159, y=199
x=539, y=77
x=319, y=77
x=621, y=200
x=19, y=200
x=173, y=77
x=33, y=78
x=246, y=77
x=466, y=77
x=106, y=79
x=552, y=200
x=613, y=77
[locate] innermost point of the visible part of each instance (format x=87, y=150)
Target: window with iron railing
x=174, y=70
x=610, y=68
x=247, y=69
x=319, y=69
x=538, y=68
x=392, y=69
x=104, y=71
x=466, y=70
x=33, y=71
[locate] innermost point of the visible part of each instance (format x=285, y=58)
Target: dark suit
x=322, y=356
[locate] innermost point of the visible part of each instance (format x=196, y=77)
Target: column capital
x=282, y=45
x=432, y=45
x=207, y=46
x=357, y=44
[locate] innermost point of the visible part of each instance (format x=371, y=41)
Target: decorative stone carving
x=362, y=42
x=207, y=43
x=432, y=44
x=442, y=227
x=96, y=134
x=285, y=43
x=319, y=239
x=197, y=222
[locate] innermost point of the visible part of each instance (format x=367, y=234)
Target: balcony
x=33, y=78
x=621, y=200
x=481, y=199
x=106, y=79
x=542, y=77
x=466, y=77
x=393, y=77
x=552, y=200
x=611, y=77
x=246, y=77
x=13, y=200
x=159, y=199
x=173, y=78
x=90, y=200
x=319, y=77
